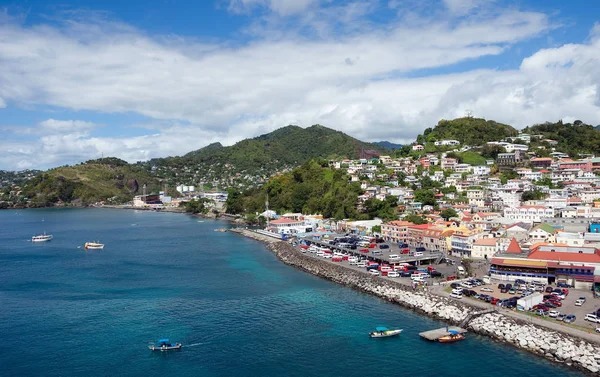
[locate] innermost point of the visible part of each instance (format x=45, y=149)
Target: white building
x=483, y=248
x=447, y=142
x=528, y=214
x=481, y=170
x=510, y=148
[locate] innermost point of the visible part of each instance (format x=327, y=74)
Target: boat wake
x=193, y=345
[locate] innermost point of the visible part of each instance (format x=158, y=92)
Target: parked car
x=436, y=274
x=374, y=272
x=512, y=291
x=597, y=329
x=494, y=301
x=592, y=318
x=580, y=301
x=501, y=286
x=553, y=313
x=560, y=317
x=384, y=246
x=454, y=285
x=457, y=296
x=394, y=257
x=457, y=290
x=570, y=318
x=393, y=274
x=487, y=289
x=541, y=312
x=548, y=289
x=563, y=285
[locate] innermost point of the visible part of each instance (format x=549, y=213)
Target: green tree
x=415, y=219
x=448, y=213
x=425, y=197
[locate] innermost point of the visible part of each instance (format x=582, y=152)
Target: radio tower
x=469, y=114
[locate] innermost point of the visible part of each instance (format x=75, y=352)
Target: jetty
x=438, y=333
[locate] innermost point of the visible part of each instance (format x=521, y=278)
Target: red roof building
x=514, y=247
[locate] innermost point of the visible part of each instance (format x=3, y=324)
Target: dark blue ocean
x=70, y=312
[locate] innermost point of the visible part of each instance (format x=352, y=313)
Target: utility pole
x=267, y=208
x=144, y=190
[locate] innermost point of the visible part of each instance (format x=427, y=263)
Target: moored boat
x=164, y=345
x=94, y=246
x=453, y=336
x=41, y=238
x=384, y=332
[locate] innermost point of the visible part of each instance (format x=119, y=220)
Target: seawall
x=554, y=345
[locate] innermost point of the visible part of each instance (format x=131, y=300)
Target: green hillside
x=469, y=131
x=89, y=182
x=310, y=188
x=573, y=138
x=265, y=155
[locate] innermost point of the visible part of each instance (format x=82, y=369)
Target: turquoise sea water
x=71, y=312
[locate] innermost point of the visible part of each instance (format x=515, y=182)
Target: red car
x=451, y=277
x=364, y=250
x=494, y=301
x=373, y=245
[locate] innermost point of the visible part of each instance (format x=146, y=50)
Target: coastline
x=554, y=345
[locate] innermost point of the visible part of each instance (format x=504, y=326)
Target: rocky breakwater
x=551, y=344
x=556, y=346
x=435, y=306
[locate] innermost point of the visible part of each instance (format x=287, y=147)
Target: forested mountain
x=388, y=145
x=259, y=158
x=89, y=182
x=573, y=138
x=469, y=131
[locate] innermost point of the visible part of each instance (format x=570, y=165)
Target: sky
x=83, y=79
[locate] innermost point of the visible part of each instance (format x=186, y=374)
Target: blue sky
x=136, y=80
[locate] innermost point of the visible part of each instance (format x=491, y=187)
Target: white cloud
x=462, y=7
x=282, y=8
x=2, y=103
x=357, y=82
x=66, y=126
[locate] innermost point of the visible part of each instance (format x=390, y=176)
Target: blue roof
x=381, y=328
x=164, y=340
x=453, y=332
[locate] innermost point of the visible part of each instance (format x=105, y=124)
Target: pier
x=438, y=333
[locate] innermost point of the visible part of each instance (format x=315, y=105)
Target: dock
x=438, y=333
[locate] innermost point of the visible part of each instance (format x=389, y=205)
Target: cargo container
x=526, y=303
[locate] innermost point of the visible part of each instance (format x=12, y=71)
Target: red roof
x=421, y=226
x=514, y=247
x=565, y=257
x=284, y=221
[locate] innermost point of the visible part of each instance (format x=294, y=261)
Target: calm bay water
x=71, y=312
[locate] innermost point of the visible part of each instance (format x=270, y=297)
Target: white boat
x=41, y=238
x=384, y=332
x=94, y=246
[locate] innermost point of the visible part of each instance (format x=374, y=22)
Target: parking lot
x=568, y=305
x=377, y=252
x=438, y=284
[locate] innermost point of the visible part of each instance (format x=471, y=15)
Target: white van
x=461, y=270
x=394, y=257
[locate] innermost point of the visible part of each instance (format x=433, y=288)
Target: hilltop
x=253, y=161
x=469, y=131
x=572, y=138
x=89, y=182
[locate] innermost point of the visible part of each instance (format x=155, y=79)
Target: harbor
x=561, y=346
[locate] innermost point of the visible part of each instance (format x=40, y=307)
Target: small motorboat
x=41, y=238
x=164, y=345
x=94, y=246
x=453, y=336
x=384, y=332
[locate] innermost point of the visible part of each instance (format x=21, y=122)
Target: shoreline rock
x=553, y=345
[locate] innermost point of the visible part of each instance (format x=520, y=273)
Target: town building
x=396, y=231
x=483, y=248
x=532, y=214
